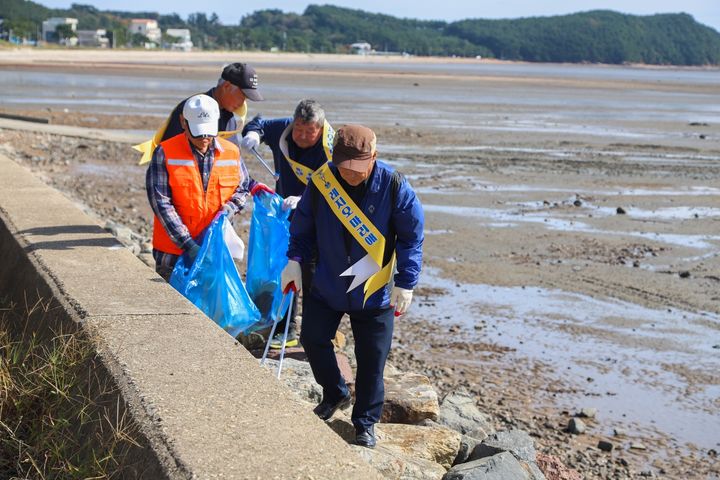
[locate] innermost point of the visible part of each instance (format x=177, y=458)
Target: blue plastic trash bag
x=267, y=255
x=212, y=282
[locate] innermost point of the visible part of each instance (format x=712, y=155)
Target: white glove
x=291, y=274
x=290, y=203
x=228, y=210
x=250, y=141
x=400, y=298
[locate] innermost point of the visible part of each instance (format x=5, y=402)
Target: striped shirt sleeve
x=160, y=198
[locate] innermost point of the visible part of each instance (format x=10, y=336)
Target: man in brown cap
x=363, y=219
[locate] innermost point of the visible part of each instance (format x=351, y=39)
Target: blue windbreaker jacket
x=316, y=226
x=270, y=132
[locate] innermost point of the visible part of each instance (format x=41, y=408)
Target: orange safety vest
x=196, y=207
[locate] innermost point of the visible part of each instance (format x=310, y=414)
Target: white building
x=183, y=42
x=49, y=27
x=93, y=38
x=361, y=48
x=147, y=27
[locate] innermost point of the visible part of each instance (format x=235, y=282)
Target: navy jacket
x=270, y=132
x=316, y=226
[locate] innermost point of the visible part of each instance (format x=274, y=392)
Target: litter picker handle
x=287, y=298
x=274, y=174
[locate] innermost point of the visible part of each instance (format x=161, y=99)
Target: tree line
x=599, y=36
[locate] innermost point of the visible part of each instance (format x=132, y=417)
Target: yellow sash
x=147, y=148
x=301, y=171
x=369, y=267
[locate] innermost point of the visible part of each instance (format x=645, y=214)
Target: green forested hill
x=596, y=36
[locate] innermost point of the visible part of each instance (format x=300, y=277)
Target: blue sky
x=230, y=12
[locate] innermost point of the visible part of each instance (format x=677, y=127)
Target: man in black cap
x=238, y=82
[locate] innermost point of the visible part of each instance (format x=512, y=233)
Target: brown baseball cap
x=353, y=147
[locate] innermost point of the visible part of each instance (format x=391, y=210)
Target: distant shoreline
x=27, y=56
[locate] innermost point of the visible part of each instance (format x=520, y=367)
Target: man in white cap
x=193, y=176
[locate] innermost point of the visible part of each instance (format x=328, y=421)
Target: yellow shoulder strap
x=370, y=267
x=148, y=147
x=301, y=171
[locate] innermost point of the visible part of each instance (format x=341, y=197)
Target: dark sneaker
x=326, y=409
x=291, y=341
x=366, y=437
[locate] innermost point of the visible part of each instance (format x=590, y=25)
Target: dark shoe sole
x=342, y=404
x=366, y=445
x=366, y=437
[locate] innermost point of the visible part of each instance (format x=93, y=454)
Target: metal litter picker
x=274, y=174
x=287, y=299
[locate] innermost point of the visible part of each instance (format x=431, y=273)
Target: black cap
x=244, y=77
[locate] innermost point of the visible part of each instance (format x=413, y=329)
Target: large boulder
x=467, y=445
x=503, y=466
x=434, y=443
x=409, y=398
x=517, y=442
x=459, y=412
x=395, y=466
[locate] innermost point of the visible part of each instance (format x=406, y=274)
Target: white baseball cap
x=202, y=114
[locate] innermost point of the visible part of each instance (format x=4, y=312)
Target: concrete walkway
x=72, y=131
x=203, y=403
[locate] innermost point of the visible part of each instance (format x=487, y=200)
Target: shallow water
x=525, y=109
x=511, y=218
x=662, y=158
x=552, y=326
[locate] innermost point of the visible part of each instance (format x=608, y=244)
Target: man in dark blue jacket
x=300, y=145
x=363, y=218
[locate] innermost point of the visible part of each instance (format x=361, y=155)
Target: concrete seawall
x=204, y=407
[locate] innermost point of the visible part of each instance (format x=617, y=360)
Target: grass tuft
x=59, y=418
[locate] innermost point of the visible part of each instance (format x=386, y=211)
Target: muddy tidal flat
x=572, y=251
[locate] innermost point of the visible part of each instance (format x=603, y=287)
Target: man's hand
x=250, y=141
x=290, y=203
x=228, y=210
x=400, y=298
x=261, y=187
x=193, y=250
x=292, y=273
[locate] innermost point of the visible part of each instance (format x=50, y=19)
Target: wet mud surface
x=572, y=252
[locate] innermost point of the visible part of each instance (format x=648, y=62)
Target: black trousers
x=372, y=331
